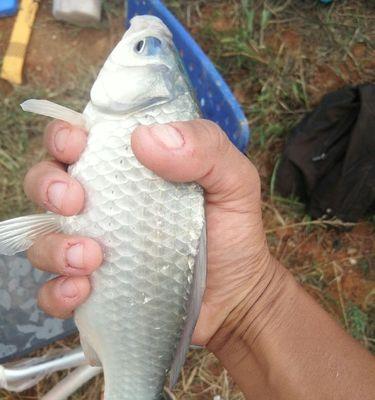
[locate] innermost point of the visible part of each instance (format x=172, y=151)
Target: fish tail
x=19, y=234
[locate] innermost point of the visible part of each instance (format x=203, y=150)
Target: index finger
x=64, y=142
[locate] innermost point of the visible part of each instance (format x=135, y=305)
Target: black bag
x=329, y=159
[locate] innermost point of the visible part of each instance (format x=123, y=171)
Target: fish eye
x=139, y=47
x=149, y=46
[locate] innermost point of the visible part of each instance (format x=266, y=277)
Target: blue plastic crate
x=216, y=100
x=8, y=7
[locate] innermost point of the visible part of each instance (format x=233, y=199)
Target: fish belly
x=149, y=230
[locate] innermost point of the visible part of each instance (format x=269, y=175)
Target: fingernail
x=74, y=256
x=169, y=136
x=56, y=193
x=61, y=138
x=68, y=288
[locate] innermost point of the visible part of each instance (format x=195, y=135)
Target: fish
x=139, y=318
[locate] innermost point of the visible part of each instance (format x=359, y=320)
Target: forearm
x=285, y=346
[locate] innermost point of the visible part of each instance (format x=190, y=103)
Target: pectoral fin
x=90, y=353
x=53, y=110
x=19, y=234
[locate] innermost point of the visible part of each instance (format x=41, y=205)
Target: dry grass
x=280, y=58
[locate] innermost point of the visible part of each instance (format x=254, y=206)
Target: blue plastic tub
x=8, y=7
x=216, y=100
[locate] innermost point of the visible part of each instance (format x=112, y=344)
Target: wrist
x=267, y=303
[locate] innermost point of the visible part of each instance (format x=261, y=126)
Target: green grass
x=276, y=80
x=113, y=7
x=357, y=321
x=18, y=129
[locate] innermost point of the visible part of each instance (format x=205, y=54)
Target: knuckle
x=50, y=302
x=35, y=256
x=251, y=179
x=57, y=259
x=48, y=136
x=30, y=174
x=30, y=254
x=38, y=170
x=209, y=125
x=51, y=165
x=216, y=137
x=252, y=174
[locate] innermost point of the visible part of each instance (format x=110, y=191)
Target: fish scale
x=138, y=320
x=150, y=230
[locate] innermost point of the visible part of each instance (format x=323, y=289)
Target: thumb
x=199, y=151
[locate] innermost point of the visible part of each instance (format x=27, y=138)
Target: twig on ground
x=318, y=222
x=338, y=277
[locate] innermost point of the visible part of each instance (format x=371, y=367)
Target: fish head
x=142, y=71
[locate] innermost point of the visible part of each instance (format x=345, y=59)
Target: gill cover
x=141, y=70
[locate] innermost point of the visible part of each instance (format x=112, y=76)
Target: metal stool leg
x=72, y=382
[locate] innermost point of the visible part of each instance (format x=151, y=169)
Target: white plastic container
x=77, y=11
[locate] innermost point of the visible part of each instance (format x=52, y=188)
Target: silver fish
x=146, y=297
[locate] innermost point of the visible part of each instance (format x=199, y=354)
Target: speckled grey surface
x=23, y=326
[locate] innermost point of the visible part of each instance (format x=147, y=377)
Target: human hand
x=239, y=264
